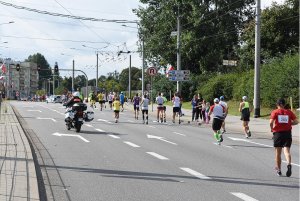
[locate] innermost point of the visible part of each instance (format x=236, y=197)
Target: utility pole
x=256, y=101
x=73, y=72
x=143, y=66
x=129, y=84
x=178, y=46
x=97, y=74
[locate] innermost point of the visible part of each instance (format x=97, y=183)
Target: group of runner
x=281, y=119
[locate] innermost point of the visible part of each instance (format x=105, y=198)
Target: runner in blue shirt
x=122, y=100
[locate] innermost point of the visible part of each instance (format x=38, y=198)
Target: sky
x=63, y=40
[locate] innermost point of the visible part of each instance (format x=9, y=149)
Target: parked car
x=50, y=99
x=57, y=99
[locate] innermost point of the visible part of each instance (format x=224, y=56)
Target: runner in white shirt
x=110, y=98
x=144, y=105
x=160, y=107
x=218, y=116
x=176, y=106
x=224, y=104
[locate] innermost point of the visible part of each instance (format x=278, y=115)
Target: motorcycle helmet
x=76, y=93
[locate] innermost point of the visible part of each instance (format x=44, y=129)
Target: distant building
x=22, y=83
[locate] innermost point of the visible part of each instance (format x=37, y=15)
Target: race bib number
x=283, y=119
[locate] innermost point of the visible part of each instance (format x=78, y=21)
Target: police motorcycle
x=76, y=113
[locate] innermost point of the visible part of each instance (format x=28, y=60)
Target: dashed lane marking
x=243, y=196
x=157, y=156
x=179, y=134
x=215, y=143
x=88, y=125
x=152, y=126
x=100, y=130
x=114, y=136
x=131, y=144
x=195, y=173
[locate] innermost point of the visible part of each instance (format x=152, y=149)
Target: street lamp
x=129, y=71
x=143, y=55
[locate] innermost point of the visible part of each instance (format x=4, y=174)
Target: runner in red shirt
x=281, y=122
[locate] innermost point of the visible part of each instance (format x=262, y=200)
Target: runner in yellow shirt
x=116, y=104
x=101, y=100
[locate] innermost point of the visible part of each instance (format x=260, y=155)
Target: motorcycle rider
x=73, y=100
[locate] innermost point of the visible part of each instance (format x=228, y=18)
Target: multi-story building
x=22, y=83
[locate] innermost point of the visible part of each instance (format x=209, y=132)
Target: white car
x=50, y=99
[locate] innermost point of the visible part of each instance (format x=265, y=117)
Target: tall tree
x=136, y=75
x=41, y=62
x=210, y=29
x=279, y=33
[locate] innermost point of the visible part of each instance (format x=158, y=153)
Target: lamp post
x=143, y=55
x=129, y=71
x=73, y=71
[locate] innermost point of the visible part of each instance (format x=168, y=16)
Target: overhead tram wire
x=83, y=23
x=66, y=16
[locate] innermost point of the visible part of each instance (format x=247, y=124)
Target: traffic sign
x=152, y=71
x=179, y=75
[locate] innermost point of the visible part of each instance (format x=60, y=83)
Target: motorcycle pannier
x=89, y=116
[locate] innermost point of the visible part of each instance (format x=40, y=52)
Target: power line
x=52, y=39
x=66, y=16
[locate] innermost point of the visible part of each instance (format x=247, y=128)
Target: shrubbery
x=279, y=78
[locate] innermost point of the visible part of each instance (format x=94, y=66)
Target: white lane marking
x=249, y=141
x=70, y=135
x=292, y=163
x=114, y=136
x=34, y=110
x=157, y=156
x=222, y=145
x=179, y=134
x=46, y=118
x=28, y=106
x=88, y=125
x=97, y=129
x=160, y=138
x=130, y=121
x=131, y=144
x=104, y=120
x=195, y=173
x=243, y=196
x=152, y=126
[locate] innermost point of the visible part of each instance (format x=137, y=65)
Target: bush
x=217, y=86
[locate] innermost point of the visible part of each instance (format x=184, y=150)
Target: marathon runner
x=110, y=99
x=176, y=107
x=245, y=115
x=160, y=107
x=218, y=117
x=224, y=104
x=136, y=106
x=145, y=104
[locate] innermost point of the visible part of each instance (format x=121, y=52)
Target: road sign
x=179, y=75
x=152, y=71
x=229, y=62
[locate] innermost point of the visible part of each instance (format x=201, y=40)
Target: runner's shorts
x=145, y=111
x=136, y=107
x=282, y=139
x=176, y=109
x=217, y=124
x=110, y=102
x=102, y=101
x=117, y=111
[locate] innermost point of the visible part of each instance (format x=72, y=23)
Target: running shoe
x=278, y=172
x=173, y=121
x=289, y=170
x=146, y=122
x=249, y=133
x=216, y=136
x=220, y=138
x=224, y=131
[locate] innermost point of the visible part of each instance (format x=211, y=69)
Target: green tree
x=210, y=30
x=41, y=62
x=136, y=75
x=279, y=33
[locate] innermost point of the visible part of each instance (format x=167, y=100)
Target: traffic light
x=39, y=68
x=18, y=67
x=56, y=68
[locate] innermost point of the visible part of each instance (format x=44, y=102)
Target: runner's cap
x=244, y=98
x=281, y=101
x=216, y=100
x=221, y=98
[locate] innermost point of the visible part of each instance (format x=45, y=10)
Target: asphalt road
x=131, y=161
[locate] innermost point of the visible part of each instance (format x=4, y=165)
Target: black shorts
x=110, y=102
x=245, y=117
x=145, y=111
x=117, y=111
x=282, y=139
x=136, y=108
x=176, y=109
x=217, y=124
x=102, y=101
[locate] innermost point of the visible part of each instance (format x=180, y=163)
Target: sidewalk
x=259, y=127
x=18, y=179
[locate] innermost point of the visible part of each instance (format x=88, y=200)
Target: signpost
x=151, y=71
x=179, y=75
